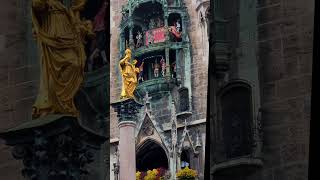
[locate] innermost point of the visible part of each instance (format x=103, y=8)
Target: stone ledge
x=248, y=164
x=50, y=125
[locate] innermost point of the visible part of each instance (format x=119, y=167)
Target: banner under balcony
x=155, y=35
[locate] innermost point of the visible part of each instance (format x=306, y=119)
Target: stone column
x=166, y=16
x=127, y=110
x=131, y=41
x=184, y=27
x=178, y=65
x=122, y=42
x=178, y=162
x=127, y=150
x=167, y=52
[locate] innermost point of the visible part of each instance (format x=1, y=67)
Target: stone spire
x=174, y=139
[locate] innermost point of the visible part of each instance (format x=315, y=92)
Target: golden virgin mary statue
x=60, y=37
x=129, y=75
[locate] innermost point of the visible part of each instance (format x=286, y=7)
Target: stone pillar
x=178, y=65
x=127, y=110
x=127, y=150
x=166, y=16
x=184, y=27
x=178, y=162
x=122, y=42
x=187, y=73
x=167, y=52
x=131, y=41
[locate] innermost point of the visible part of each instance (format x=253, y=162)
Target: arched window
x=151, y=155
x=236, y=113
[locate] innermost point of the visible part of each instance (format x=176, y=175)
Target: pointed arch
x=151, y=155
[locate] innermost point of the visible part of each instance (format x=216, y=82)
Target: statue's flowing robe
x=62, y=58
x=129, y=78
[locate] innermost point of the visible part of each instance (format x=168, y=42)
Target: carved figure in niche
x=139, y=39
x=60, y=36
x=148, y=129
x=156, y=68
x=129, y=75
x=163, y=66
x=100, y=40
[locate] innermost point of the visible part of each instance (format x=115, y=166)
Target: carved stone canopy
x=186, y=141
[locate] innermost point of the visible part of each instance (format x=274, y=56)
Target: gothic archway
x=151, y=155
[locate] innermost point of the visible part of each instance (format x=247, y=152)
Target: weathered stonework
x=161, y=111
x=18, y=89
x=285, y=42
x=282, y=53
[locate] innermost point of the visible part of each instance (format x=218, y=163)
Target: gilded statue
x=129, y=73
x=60, y=36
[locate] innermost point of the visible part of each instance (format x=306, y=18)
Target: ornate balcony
x=156, y=87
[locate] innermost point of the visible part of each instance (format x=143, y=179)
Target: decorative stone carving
x=186, y=141
x=148, y=129
x=127, y=109
x=53, y=147
x=116, y=165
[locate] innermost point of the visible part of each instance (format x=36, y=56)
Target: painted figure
x=59, y=34
x=129, y=75
x=163, y=66
x=156, y=68
x=140, y=78
x=176, y=31
x=139, y=39
x=178, y=26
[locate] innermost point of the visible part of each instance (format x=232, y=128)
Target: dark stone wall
x=285, y=39
x=18, y=78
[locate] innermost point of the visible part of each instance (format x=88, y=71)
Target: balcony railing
x=156, y=87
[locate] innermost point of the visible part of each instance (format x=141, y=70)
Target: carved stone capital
x=127, y=109
x=53, y=147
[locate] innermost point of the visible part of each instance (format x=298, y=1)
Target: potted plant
x=187, y=174
x=155, y=174
x=151, y=175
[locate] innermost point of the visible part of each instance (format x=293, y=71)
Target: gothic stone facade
x=157, y=123
x=268, y=72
